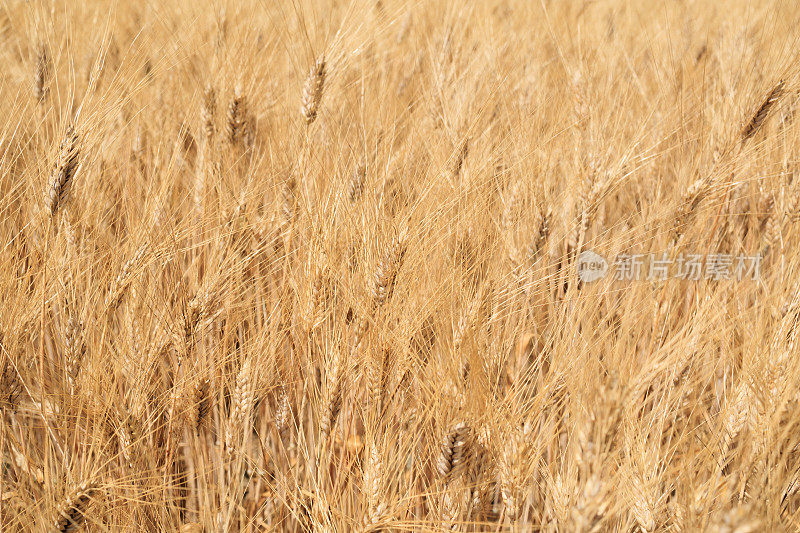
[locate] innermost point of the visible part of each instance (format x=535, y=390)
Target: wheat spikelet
x=403, y=29
x=312, y=91
x=772, y=232
x=237, y=114
x=125, y=443
x=690, y=201
x=208, y=113
x=242, y=402
x=64, y=172
x=383, y=283
x=740, y=519
x=199, y=315
x=356, y=186
x=592, y=190
x=510, y=456
x=642, y=507
x=560, y=497
x=288, y=205
x=378, y=375
x=10, y=387
x=792, y=213
x=283, y=413
x=178, y=406
x=69, y=516
x=373, y=485
x=468, y=316
x=736, y=415
x=458, y=163
x=75, y=349
x=762, y=112
x=387, y=270
x=580, y=96
x=42, y=74
x=139, y=147
x=334, y=389
x=511, y=204
x=454, y=451
x=316, y=272
x=542, y=233
x=202, y=403
x=118, y=286
x=71, y=240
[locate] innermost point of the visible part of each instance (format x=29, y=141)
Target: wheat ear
x=117, y=289
x=356, y=186
x=208, y=113
x=70, y=513
x=237, y=111
x=41, y=74
x=760, y=116
x=454, y=452
x=10, y=387
x=383, y=283
x=332, y=400
x=243, y=401
x=312, y=91
x=64, y=172
x=74, y=350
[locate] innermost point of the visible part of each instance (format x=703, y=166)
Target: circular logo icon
x=591, y=266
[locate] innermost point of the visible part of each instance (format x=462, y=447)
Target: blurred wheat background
x=312, y=266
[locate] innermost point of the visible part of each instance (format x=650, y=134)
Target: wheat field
x=384, y=265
